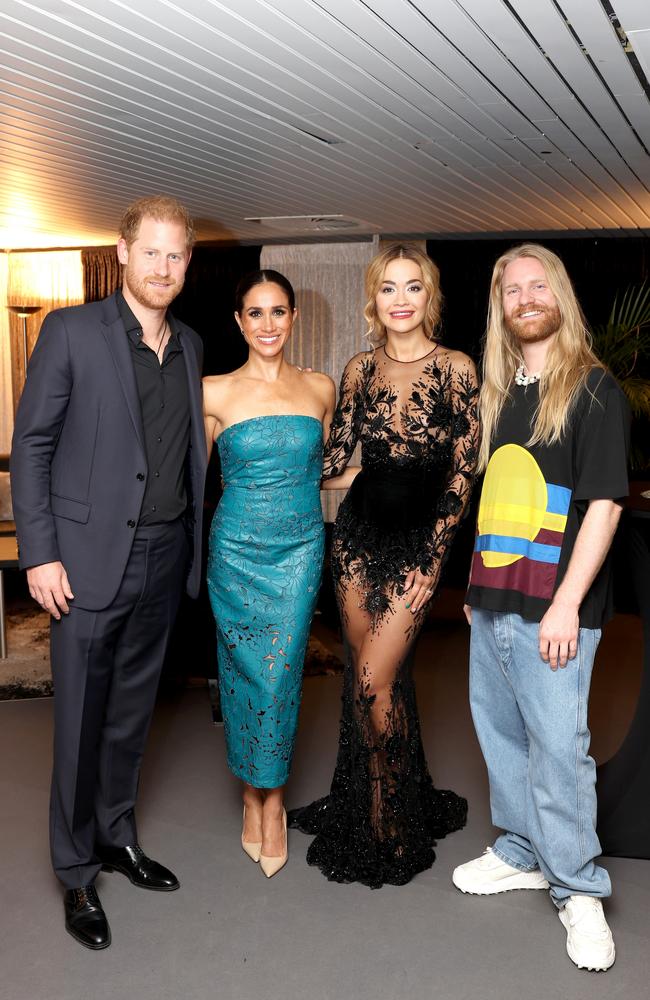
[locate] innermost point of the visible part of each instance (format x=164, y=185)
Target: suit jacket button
x=140, y=476
x=130, y=523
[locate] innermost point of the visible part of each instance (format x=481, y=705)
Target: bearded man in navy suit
x=107, y=471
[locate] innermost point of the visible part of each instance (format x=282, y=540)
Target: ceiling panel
x=641, y=43
x=453, y=117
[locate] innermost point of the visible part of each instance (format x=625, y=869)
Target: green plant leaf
x=637, y=391
x=620, y=343
x=625, y=337
x=631, y=310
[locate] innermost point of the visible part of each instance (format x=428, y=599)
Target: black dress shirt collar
x=133, y=326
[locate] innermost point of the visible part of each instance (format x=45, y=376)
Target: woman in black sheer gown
x=412, y=404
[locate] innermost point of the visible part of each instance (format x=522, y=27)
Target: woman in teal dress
x=266, y=550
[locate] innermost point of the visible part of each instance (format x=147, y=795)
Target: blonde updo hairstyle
x=376, y=332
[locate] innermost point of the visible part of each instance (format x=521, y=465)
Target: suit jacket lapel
x=197, y=432
x=115, y=336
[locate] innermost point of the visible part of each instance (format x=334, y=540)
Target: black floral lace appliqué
x=418, y=427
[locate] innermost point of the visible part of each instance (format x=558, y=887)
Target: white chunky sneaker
x=589, y=941
x=488, y=874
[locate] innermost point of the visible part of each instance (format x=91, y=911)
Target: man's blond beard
x=552, y=322
x=149, y=298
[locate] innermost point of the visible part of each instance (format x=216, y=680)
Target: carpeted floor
x=229, y=934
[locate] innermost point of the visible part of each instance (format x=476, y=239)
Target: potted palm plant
x=623, y=345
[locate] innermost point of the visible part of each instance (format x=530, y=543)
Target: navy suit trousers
x=105, y=667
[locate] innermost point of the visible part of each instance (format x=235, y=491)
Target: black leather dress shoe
x=138, y=868
x=85, y=918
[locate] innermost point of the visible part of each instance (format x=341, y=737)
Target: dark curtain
x=599, y=268
x=207, y=303
x=101, y=271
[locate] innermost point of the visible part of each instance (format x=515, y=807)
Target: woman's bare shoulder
x=457, y=360
x=219, y=384
x=317, y=379
x=355, y=367
x=320, y=385
x=216, y=380
x=358, y=360
x=217, y=391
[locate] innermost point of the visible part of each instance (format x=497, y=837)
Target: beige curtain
x=101, y=271
x=328, y=280
x=49, y=279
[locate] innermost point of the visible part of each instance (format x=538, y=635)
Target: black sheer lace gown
x=417, y=424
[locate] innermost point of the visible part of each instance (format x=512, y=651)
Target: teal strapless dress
x=264, y=569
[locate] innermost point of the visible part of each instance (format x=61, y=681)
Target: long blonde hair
x=568, y=363
x=376, y=332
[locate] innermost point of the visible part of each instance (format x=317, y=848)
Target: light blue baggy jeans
x=531, y=722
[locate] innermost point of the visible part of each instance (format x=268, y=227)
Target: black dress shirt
x=165, y=408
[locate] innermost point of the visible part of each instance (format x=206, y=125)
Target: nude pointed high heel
x=253, y=849
x=271, y=866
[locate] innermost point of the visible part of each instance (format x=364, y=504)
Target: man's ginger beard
x=533, y=331
x=152, y=298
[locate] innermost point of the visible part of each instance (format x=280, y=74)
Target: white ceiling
x=413, y=116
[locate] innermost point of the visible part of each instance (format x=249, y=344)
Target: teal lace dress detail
x=264, y=569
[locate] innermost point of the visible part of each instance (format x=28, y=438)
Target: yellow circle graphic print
x=513, y=501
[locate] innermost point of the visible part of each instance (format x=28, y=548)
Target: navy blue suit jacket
x=78, y=463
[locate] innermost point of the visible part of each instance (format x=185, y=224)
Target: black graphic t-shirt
x=534, y=499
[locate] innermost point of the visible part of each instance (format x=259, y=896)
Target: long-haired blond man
x=554, y=452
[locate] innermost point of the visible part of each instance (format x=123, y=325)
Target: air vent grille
x=313, y=223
